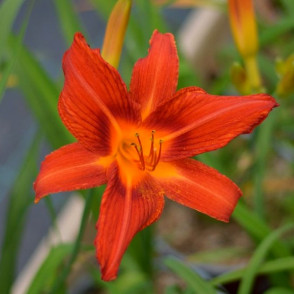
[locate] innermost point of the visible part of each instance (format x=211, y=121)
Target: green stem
x=19, y=200
x=253, y=74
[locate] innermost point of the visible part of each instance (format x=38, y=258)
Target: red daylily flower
x=140, y=142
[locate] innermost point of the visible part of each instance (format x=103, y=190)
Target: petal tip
x=78, y=36
x=108, y=277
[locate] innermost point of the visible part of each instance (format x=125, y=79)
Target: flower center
x=151, y=161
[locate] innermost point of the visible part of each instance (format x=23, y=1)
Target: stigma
x=150, y=161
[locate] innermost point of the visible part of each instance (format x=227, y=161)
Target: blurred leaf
x=8, y=12
x=272, y=266
x=52, y=212
x=257, y=258
x=50, y=269
x=279, y=290
x=272, y=33
x=42, y=94
x=263, y=144
x=129, y=282
x=19, y=200
x=9, y=66
x=144, y=19
x=96, y=202
x=60, y=280
x=188, y=291
x=258, y=229
x=193, y=280
x=68, y=19
x=5, y=74
x=174, y=289
x=104, y=7
x=269, y=73
x=288, y=6
x=217, y=255
x=141, y=249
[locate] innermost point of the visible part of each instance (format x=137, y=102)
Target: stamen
x=157, y=158
x=140, y=151
x=140, y=154
x=153, y=157
x=151, y=152
x=140, y=144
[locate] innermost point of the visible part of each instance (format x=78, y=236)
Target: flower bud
x=243, y=24
x=115, y=32
x=286, y=72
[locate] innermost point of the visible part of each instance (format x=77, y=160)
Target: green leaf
x=258, y=229
x=263, y=142
x=271, y=34
x=60, y=280
x=19, y=200
x=272, y=266
x=52, y=212
x=174, y=289
x=217, y=255
x=279, y=290
x=9, y=66
x=288, y=6
x=8, y=12
x=50, y=269
x=141, y=249
x=103, y=7
x=193, y=280
x=5, y=74
x=129, y=282
x=68, y=19
x=257, y=258
x=42, y=94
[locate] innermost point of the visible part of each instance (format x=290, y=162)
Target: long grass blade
x=193, y=280
x=41, y=94
x=14, y=55
x=279, y=290
x=77, y=245
x=8, y=12
x=263, y=143
x=272, y=266
x=19, y=200
x=68, y=19
x=49, y=269
x=258, y=229
x=257, y=258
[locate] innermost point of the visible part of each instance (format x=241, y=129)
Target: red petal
x=155, y=77
x=200, y=187
x=94, y=98
x=71, y=167
x=197, y=122
x=124, y=211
